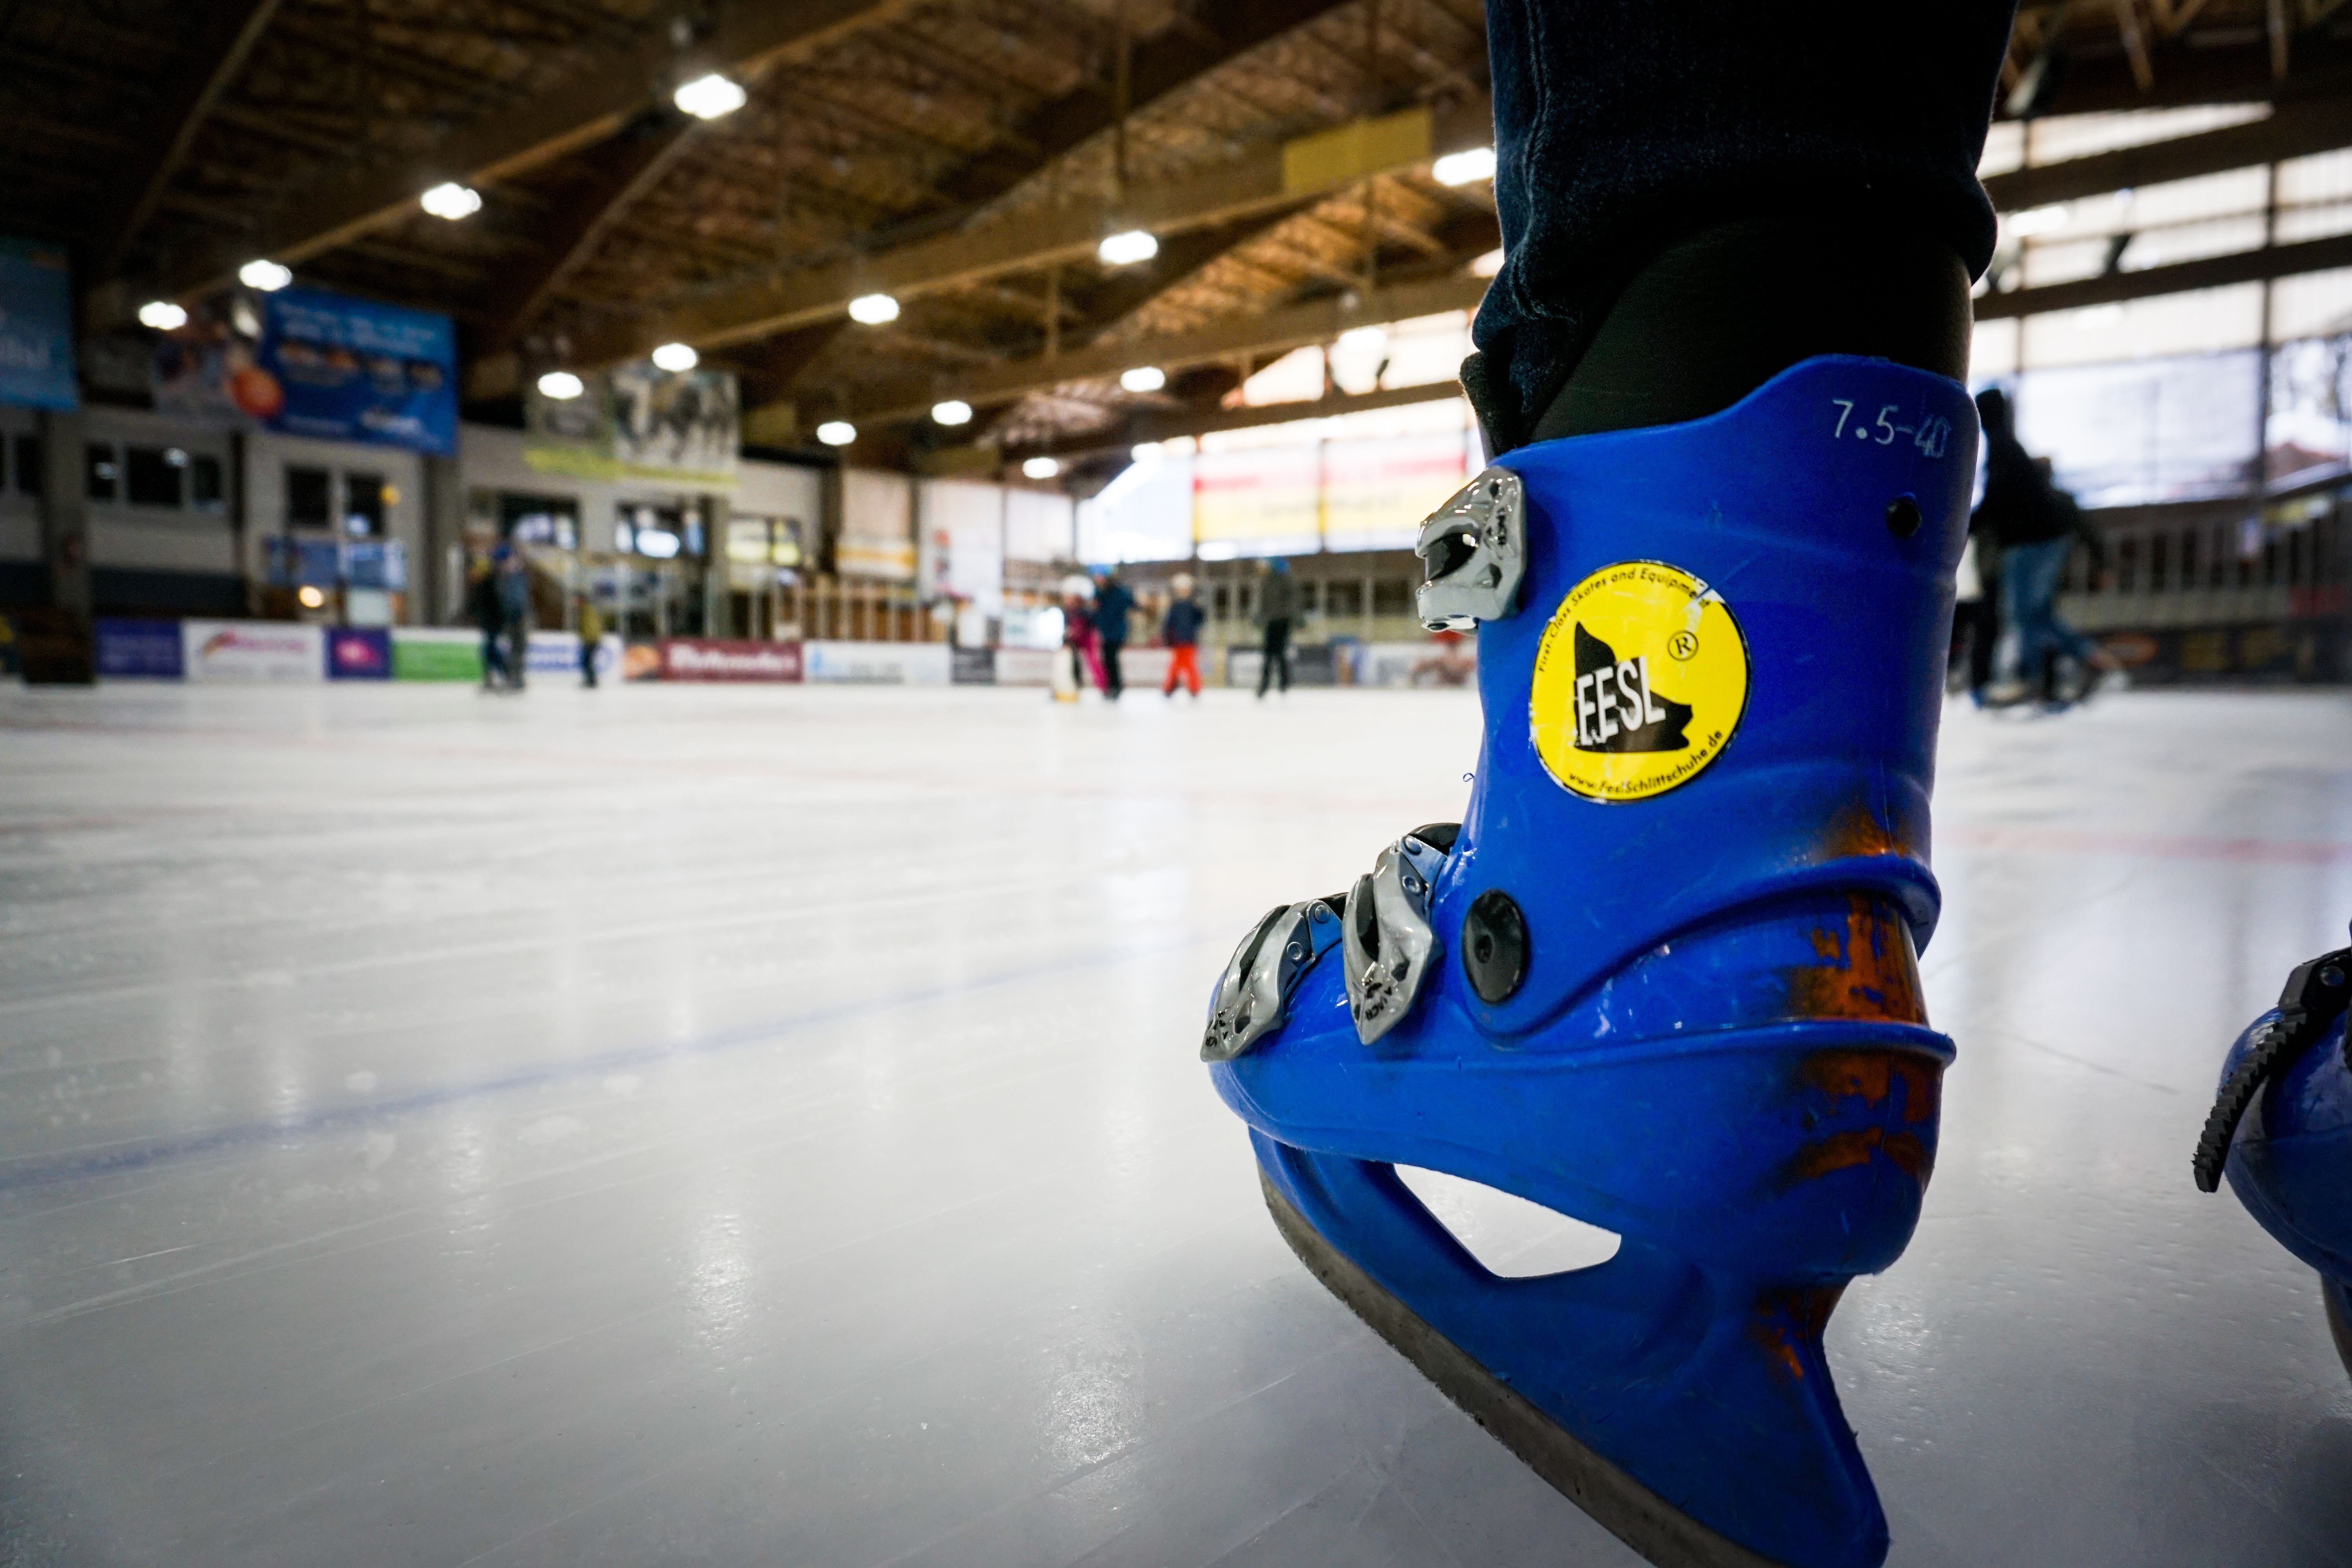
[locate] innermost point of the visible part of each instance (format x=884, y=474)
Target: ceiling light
x=561, y=386
x=677, y=357
x=451, y=200
x=954, y=411
x=1144, y=451
x=163, y=315
x=873, y=310
x=2038, y=220
x=1364, y=339
x=1128, y=246
x=311, y=598
x=1040, y=469
x=1464, y=168
x=836, y=432
x=1144, y=378
x=1488, y=265
x=266, y=275
x=708, y=97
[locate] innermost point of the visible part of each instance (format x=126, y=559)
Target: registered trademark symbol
x=1681, y=645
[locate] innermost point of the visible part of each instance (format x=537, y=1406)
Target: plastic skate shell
x=1708, y=1034
x=2290, y=1161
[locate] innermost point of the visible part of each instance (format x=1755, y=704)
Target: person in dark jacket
x=482, y=609
x=512, y=576
x=1180, y=630
x=2036, y=526
x=1113, y=603
x=1277, y=606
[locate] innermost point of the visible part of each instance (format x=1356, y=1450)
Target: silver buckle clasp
x=1385, y=936
x=1476, y=549
x=1254, y=994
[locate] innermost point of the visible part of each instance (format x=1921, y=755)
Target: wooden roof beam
x=1277, y=179
x=229, y=29
x=2294, y=130
x=2181, y=277
x=592, y=106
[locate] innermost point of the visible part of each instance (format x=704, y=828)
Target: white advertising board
x=558, y=653
x=270, y=652
x=876, y=663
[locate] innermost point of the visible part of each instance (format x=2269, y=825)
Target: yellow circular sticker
x=1640, y=679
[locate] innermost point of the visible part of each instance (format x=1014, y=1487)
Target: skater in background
x=1113, y=603
x=1976, y=621
x=591, y=633
x=513, y=577
x=1080, y=647
x=482, y=609
x=1277, y=606
x=1180, y=630
x=2036, y=526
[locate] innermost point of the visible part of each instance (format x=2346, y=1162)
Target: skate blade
x=1631, y=1511
x=2339, y=1320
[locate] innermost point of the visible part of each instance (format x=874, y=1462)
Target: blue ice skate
x=1662, y=978
x=2282, y=1129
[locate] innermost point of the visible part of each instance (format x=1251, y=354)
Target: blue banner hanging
x=351, y=369
x=36, y=341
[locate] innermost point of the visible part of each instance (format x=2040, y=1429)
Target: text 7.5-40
x=1931, y=433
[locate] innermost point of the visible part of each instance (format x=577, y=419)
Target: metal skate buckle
x=1386, y=939
x=1254, y=994
x=2316, y=994
x=1476, y=549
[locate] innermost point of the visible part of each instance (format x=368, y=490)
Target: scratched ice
x=764, y=1126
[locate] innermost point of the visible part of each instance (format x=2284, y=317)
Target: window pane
x=363, y=505
x=104, y=473
x=154, y=478
x=28, y=464
x=310, y=498
x=207, y=492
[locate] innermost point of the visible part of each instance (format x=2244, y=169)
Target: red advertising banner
x=711, y=658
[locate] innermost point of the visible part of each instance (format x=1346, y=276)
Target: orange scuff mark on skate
x=1786, y=1321
x=1869, y=969
x=1857, y=831
x=1872, y=1075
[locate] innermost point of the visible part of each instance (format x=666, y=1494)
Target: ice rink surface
x=763, y=1126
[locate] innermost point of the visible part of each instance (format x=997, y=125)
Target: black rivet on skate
x=1903, y=516
x=1494, y=946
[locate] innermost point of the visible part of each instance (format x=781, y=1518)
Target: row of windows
x=170, y=477
x=367, y=501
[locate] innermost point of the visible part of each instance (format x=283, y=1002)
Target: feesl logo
x=1640, y=681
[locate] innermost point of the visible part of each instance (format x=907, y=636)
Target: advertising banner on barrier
x=1447, y=659
x=138, y=650
x=972, y=667
x=359, y=653
x=1026, y=665
x=876, y=663
x=558, y=653
x=435, y=653
x=712, y=658
x=268, y=652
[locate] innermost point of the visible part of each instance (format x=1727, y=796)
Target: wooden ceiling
x=961, y=154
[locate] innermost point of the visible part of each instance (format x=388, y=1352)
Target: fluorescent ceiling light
x=954, y=411
x=266, y=275
x=1464, y=168
x=1142, y=451
x=1128, y=246
x=2038, y=220
x=163, y=315
x=1488, y=265
x=873, y=310
x=836, y=432
x=1364, y=339
x=561, y=386
x=451, y=200
x=708, y=97
x=677, y=357
x=1040, y=469
x=1144, y=378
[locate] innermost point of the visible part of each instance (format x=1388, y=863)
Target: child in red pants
x=1180, y=630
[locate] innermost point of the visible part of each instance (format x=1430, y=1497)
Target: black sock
x=1711, y=319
